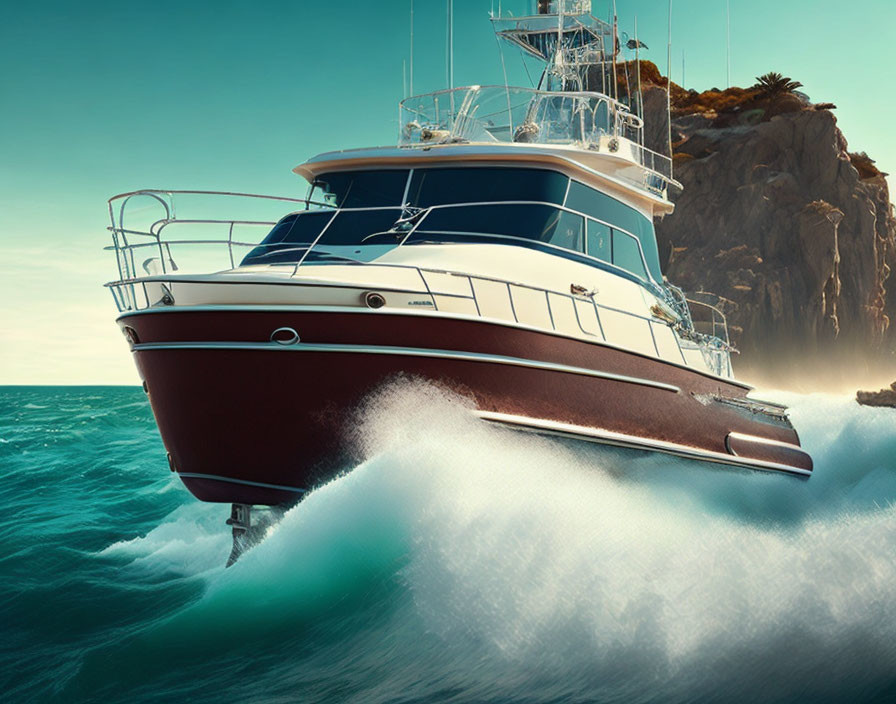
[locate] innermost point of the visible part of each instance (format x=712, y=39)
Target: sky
x=99, y=98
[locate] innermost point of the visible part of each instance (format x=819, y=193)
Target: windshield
x=514, y=206
x=332, y=234
x=484, y=185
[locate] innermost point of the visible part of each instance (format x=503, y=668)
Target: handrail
x=716, y=355
x=714, y=346
x=588, y=120
x=420, y=218
x=169, y=192
x=622, y=107
x=420, y=270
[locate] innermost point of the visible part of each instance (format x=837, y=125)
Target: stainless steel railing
x=135, y=290
x=503, y=114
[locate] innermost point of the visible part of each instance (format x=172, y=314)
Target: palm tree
x=773, y=85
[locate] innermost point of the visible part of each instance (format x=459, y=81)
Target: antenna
x=640, y=92
x=449, y=65
x=729, y=43
x=559, y=43
x=615, y=47
x=669, y=82
x=412, y=48
x=404, y=78
x=684, y=83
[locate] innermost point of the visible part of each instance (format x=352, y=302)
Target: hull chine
x=793, y=459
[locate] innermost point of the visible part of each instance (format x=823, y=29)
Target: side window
x=627, y=254
x=534, y=222
x=360, y=189
x=600, y=205
x=599, y=241
x=566, y=230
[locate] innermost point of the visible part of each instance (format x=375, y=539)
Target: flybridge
x=576, y=104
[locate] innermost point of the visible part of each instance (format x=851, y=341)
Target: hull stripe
x=405, y=352
x=610, y=437
x=246, y=482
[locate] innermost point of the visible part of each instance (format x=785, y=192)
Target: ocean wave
x=483, y=564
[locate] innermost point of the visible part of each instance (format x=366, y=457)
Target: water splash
x=468, y=562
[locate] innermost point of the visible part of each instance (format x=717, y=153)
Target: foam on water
x=466, y=562
x=188, y=543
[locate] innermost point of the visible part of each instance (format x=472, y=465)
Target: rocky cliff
x=793, y=232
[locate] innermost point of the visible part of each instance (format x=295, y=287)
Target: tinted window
x=281, y=229
x=360, y=189
x=627, y=254
x=481, y=185
x=600, y=205
x=286, y=242
x=569, y=232
x=354, y=227
x=599, y=241
x=534, y=222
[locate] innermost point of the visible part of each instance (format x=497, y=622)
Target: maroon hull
x=249, y=421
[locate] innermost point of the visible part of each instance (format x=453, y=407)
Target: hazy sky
x=99, y=98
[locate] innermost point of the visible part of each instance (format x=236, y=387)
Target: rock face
x=882, y=399
x=795, y=234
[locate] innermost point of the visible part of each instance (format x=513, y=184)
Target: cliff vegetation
x=793, y=231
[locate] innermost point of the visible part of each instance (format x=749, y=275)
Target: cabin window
x=627, y=254
x=485, y=185
x=289, y=238
x=541, y=223
x=569, y=232
x=483, y=218
x=281, y=230
x=363, y=227
x=599, y=205
x=360, y=189
x=599, y=245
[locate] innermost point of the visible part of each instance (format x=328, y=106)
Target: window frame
x=543, y=171
x=650, y=274
x=648, y=280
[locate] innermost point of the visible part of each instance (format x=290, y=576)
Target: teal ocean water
x=459, y=563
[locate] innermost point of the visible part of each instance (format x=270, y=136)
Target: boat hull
x=249, y=420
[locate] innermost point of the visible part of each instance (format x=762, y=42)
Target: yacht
x=503, y=248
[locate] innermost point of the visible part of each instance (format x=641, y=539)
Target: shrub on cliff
x=773, y=85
